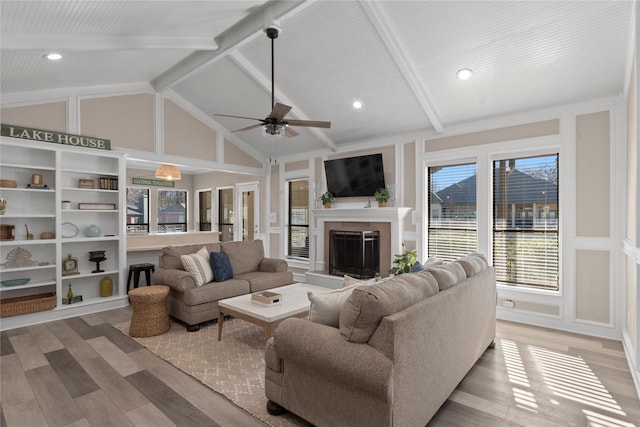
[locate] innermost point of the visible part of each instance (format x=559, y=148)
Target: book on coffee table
x=266, y=298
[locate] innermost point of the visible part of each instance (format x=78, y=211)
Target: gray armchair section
x=192, y=304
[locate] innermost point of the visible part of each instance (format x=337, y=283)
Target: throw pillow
x=417, y=267
x=325, y=307
x=198, y=266
x=447, y=275
x=221, y=266
x=348, y=281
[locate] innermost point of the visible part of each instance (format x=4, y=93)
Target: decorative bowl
x=16, y=282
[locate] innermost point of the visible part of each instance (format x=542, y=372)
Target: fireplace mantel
x=392, y=215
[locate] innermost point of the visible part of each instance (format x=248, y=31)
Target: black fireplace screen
x=355, y=253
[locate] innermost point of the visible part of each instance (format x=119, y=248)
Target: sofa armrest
x=272, y=265
x=177, y=280
x=322, y=350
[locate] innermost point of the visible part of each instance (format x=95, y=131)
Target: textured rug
x=233, y=367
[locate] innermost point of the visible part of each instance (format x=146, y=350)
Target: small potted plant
x=327, y=198
x=382, y=197
x=403, y=263
x=66, y=204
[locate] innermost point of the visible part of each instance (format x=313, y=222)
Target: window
x=525, y=221
x=204, y=203
x=298, y=216
x=137, y=210
x=452, y=226
x=172, y=211
x=225, y=214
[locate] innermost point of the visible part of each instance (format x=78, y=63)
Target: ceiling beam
x=404, y=64
x=234, y=37
x=102, y=42
x=264, y=82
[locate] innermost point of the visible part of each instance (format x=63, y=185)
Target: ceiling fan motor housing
x=273, y=31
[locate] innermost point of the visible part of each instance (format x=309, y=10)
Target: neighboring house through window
x=137, y=210
x=172, y=211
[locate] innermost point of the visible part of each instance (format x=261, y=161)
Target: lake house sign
x=55, y=137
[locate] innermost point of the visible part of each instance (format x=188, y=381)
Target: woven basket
x=27, y=304
x=8, y=183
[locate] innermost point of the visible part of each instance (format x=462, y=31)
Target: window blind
x=298, y=228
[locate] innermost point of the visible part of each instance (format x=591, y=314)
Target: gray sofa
x=192, y=304
x=400, y=350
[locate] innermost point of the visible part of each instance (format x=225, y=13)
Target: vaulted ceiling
x=399, y=58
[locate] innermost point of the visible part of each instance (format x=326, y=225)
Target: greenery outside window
x=137, y=210
x=172, y=211
x=525, y=221
x=298, y=219
x=452, y=229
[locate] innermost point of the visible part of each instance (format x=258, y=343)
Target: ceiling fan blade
x=248, y=128
x=309, y=123
x=279, y=111
x=237, y=117
x=290, y=133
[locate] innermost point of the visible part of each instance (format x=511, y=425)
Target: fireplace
x=355, y=253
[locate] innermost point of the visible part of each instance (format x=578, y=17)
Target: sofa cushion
x=262, y=281
x=221, y=266
x=368, y=305
x=245, y=256
x=215, y=291
x=447, y=275
x=325, y=307
x=199, y=266
x=171, y=254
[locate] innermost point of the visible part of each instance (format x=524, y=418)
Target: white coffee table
x=295, y=303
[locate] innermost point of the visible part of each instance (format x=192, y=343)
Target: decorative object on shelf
x=70, y=265
x=86, y=183
x=7, y=232
x=69, y=230
x=47, y=235
x=3, y=205
x=108, y=183
x=168, y=172
x=16, y=282
x=19, y=257
x=382, y=197
x=70, y=292
x=8, y=183
x=27, y=304
x=326, y=198
x=66, y=204
x=72, y=300
x=404, y=262
x=96, y=206
x=106, y=287
x=97, y=257
x=36, y=180
x=56, y=137
x=29, y=235
x=93, y=231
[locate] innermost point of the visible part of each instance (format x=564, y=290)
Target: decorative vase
x=106, y=287
x=66, y=204
x=3, y=205
x=92, y=231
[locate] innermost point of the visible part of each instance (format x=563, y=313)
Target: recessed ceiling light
x=53, y=56
x=464, y=73
x=356, y=104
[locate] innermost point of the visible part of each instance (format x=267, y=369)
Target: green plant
x=326, y=197
x=404, y=262
x=381, y=195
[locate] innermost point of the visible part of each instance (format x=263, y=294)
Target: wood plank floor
x=82, y=372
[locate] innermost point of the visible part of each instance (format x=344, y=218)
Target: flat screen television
x=355, y=176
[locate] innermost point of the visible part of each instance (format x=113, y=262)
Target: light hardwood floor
x=83, y=372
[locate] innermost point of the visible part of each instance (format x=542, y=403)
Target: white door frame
x=241, y=188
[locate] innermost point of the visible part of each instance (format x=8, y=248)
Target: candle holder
x=97, y=257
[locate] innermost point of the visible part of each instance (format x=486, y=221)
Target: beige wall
x=186, y=136
x=593, y=199
x=235, y=156
x=296, y=166
x=510, y=133
x=274, y=195
x=409, y=178
x=51, y=116
x=127, y=120
x=592, y=286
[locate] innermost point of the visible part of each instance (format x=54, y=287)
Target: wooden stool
x=135, y=269
x=150, y=316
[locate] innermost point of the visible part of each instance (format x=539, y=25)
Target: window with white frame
x=225, y=214
x=298, y=218
x=452, y=228
x=172, y=211
x=525, y=221
x=137, y=210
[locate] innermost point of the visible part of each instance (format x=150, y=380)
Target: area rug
x=233, y=367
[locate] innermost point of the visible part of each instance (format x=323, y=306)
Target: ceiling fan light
x=168, y=172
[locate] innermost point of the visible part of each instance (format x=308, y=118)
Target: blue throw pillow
x=221, y=266
x=417, y=267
